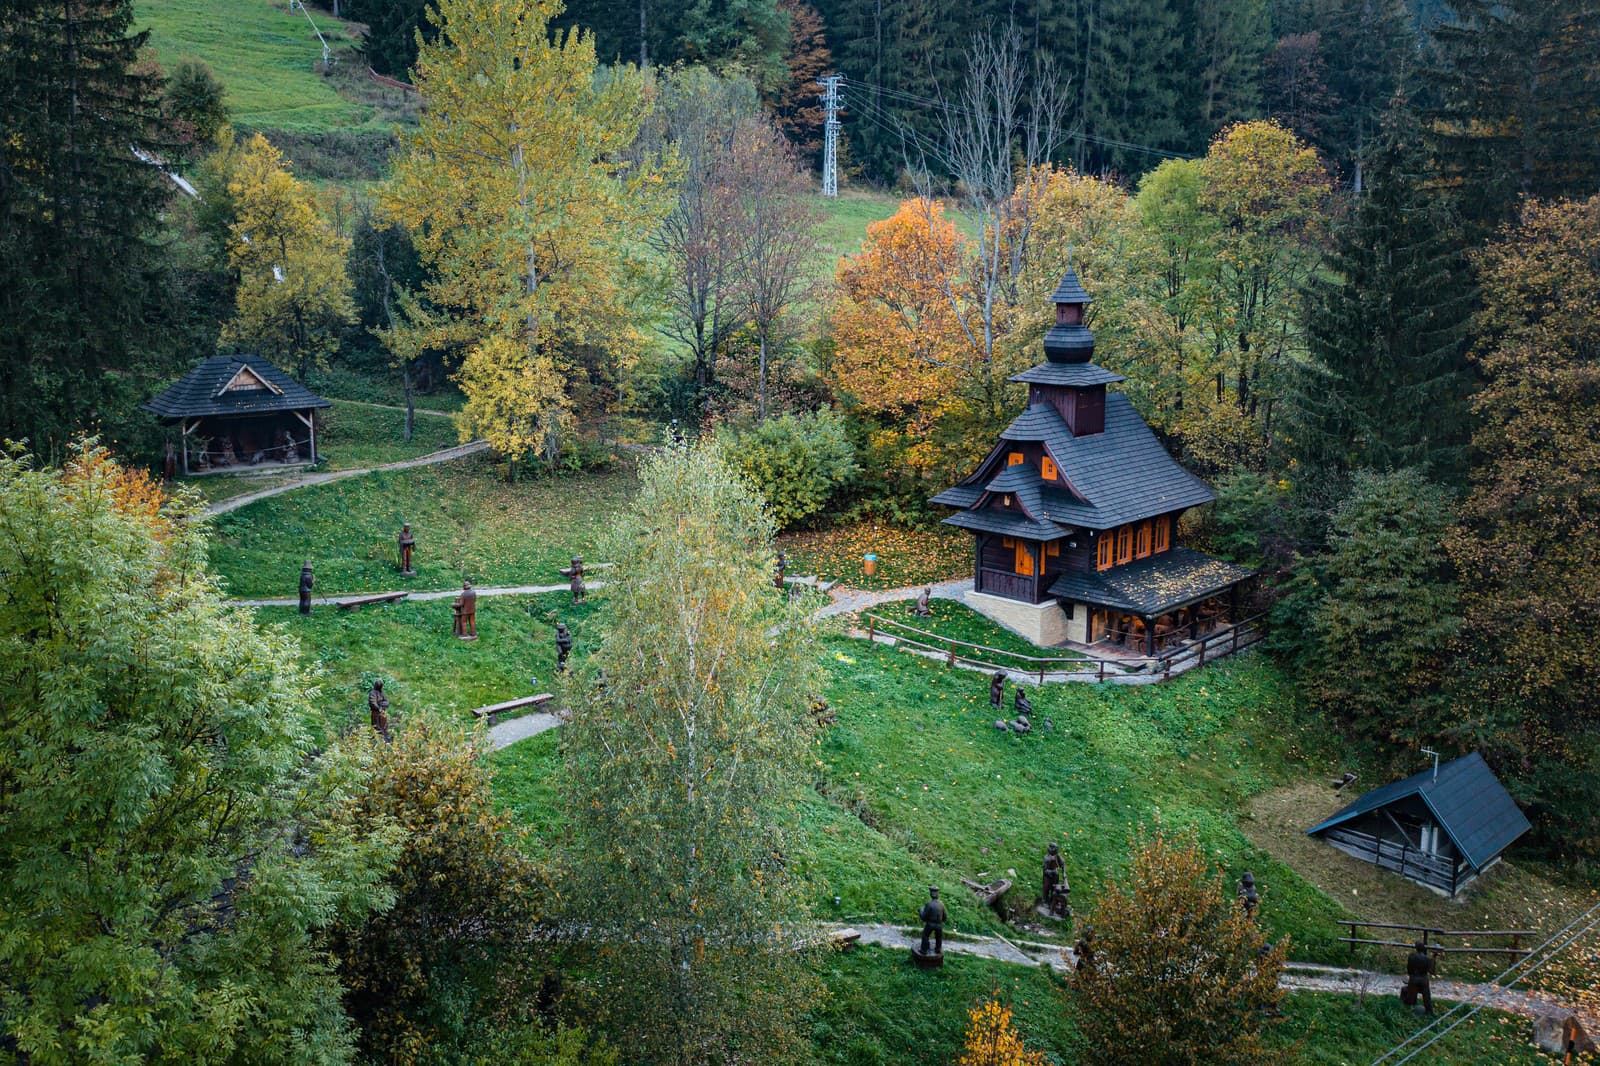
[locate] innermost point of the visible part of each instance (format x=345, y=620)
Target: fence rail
x=1426, y=931
x=1224, y=641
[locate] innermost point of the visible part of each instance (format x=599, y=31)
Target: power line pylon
x=830, y=134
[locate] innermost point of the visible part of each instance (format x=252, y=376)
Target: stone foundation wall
x=1045, y=624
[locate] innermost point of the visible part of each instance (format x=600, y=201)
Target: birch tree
x=519, y=191
x=684, y=759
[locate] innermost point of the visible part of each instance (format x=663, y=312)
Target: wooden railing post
x=871, y=633
x=950, y=653
x=1102, y=676
x=1235, y=640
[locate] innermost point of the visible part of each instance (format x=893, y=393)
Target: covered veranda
x=1145, y=607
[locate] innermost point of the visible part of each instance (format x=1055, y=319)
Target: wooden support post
x=1203, y=649
x=950, y=653
x=1236, y=637
x=183, y=424
x=1149, y=635
x=1102, y=663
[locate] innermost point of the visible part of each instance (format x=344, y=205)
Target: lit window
x=1102, y=552
x=1163, y=533
x=1124, y=544
x=1014, y=459
x=1141, y=545
x=1047, y=467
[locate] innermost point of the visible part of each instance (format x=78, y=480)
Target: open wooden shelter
x=240, y=410
x=1440, y=828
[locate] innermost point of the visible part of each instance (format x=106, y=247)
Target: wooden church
x=1074, y=513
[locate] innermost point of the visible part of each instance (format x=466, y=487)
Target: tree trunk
x=411, y=409
x=761, y=408
x=644, y=48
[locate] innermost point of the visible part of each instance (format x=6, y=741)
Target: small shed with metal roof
x=1440, y=828
x=240, y=410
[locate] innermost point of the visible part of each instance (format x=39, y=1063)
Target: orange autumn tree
x=909, y=352
x=993, y=1041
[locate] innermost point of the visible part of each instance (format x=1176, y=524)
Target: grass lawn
x=960, y=622
x=468, y=523
x=844, y=224
x=881, y=1010
x=340, y=383
x=905, y=556
x=410, y=646
x=266, y=55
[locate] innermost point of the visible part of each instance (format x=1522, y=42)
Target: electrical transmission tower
x=830, y=134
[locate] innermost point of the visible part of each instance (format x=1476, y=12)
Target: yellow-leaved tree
x=294, y=292
x=993, y=1041
x=520, y=196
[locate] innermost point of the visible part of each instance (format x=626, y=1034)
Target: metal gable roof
x=200, y=392
x=1472, y=807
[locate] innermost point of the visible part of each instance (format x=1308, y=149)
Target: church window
x=1047, y=467
x=1014, y=459
x=1102, y=552
x=1163, y=527
x=1124, y=544
x=1141, y=544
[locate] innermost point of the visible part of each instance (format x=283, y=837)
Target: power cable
x=1501, y=981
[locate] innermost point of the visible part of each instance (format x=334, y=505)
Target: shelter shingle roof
x=199, y=392
x=1161, y=583
x=1472, y=807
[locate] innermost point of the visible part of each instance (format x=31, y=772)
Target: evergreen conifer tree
x=1386, y=379
x=80, y=285
x=1518, y=98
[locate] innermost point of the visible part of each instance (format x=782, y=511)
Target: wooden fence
x=1219, y=642
x=1424, y=932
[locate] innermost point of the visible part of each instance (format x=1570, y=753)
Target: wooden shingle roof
x=1163, y=582
x=205, y=391
x=1471, y=805
x=1124, y=473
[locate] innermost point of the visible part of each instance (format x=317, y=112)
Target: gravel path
x=504, y=734
x=848, y=600
x=1297, y=977
x=444, y=455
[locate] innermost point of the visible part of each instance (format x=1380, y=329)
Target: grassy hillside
x=266, y=55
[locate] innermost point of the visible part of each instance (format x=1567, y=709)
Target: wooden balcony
x=1011, y=585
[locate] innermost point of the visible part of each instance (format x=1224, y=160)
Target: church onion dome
x=1070, y=343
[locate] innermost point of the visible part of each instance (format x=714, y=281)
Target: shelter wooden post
x=311, y=423
x=184, y=436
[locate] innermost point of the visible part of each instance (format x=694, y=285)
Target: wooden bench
x=362, y=601
x=844, y=939
x=495, y=709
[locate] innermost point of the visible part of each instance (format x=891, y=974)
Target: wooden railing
x=1225, y=641
x=1011, y=585
x=1403, y=859
x=1516, y=935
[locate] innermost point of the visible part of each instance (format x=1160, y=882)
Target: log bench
x=844, y=939
x=362, y=601
x=491, y=712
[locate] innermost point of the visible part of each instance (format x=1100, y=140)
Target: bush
x=797, y=461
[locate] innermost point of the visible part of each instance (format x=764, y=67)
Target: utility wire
x=913, y=99
x=1592, y=914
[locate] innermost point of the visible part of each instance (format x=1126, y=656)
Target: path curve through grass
x=444, y=455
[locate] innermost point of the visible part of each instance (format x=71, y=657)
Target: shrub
x=797, y=461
